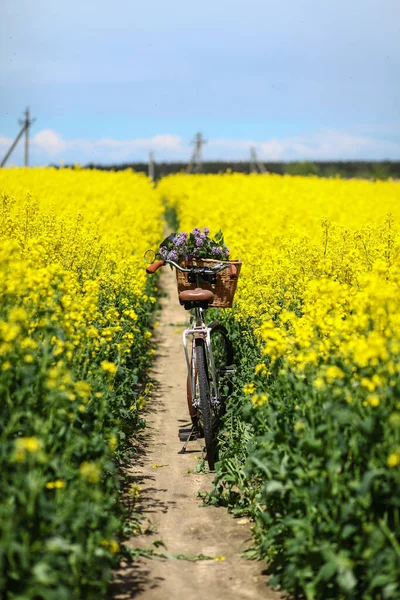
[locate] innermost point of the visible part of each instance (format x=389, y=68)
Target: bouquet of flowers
x=185, y=247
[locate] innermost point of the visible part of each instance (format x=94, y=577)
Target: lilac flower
x=173, y=255
x=183, y=246
x=199, y=242
x=180, y=239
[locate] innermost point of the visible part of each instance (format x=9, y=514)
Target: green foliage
x=302, y=168
x=311, y=469
x=171, y=215
x=361, y=169
x=380, y=171
x=60, y=515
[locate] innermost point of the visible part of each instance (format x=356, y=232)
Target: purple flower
x=172, y=255
x=180, y=239
x=196, y=245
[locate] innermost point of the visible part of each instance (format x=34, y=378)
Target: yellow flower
x=83, y=388
x=368, y=384
x=333, y=372
x=90, y=471
x=259, y=399
x=393, y=459
x=109, y=367
x=249, y=388
x=111, y=545
x=9, y=332
x=18, y=315
x=134, y=491
x=57, y=484
x=141, y=402
x=373, y=400
x=30, y=444
x=112, y=442
x=261, y=369
x=24, y=445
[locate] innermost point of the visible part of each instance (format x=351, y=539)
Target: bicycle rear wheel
x=222, y=352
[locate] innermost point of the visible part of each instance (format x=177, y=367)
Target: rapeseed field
x=311, y=444
x=310, y=447
x=75, y=314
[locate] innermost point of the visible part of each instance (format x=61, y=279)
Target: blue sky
x=109, y=81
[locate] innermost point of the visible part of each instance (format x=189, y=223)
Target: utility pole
x=255, y=165
x=196, y=161
x=26, y=123
x=151, y=166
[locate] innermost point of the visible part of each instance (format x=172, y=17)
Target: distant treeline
x=347, y=169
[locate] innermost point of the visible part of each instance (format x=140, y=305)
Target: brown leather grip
x=233, y=271
x=154, y=267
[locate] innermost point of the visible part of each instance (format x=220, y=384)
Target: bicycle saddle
x=196, y=295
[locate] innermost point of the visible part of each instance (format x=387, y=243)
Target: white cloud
x=50, y=142
x=49, y=146
x=327, y=144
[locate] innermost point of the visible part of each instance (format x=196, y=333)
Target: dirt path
x=169, y=497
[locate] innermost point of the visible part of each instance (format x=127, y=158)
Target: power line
x=151, y=166
x=196, y=160
x=255, y=165
x=26, y=123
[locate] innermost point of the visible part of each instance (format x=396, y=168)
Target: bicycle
x=209, y=355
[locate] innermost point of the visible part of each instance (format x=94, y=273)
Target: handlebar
x=155, y=266
x=217, y=268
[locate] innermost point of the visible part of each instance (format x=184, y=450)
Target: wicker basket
x=225, y=287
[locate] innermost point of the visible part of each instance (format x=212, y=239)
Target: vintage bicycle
x=208, y=350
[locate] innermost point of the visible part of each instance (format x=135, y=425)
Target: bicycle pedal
x=227, y=370
x=184, y=435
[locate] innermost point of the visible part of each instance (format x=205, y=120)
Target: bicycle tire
x=222, y=350
x=205, y=402
x=193, y=412
x=205, y=416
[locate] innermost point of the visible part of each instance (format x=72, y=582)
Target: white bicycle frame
x=199, y=329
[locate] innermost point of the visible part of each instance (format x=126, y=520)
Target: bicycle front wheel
x=206, y=415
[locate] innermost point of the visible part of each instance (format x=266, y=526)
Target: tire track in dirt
x=169, y=496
